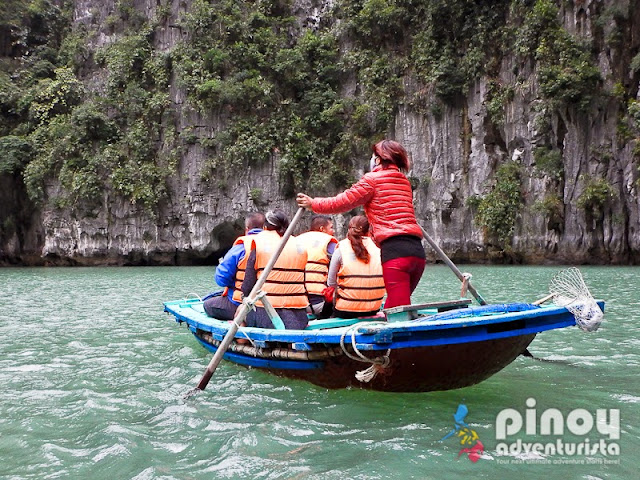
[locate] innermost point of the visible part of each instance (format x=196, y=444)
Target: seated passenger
x=320, y=244
x=230, y=272
x=356, y=273
x=285, y=283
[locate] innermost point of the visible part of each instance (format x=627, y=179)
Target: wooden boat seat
x=411, y=312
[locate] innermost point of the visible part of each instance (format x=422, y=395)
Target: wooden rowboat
x=421, y=348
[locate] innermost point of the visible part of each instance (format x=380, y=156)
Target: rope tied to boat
x=250, y=304
x=378, y=364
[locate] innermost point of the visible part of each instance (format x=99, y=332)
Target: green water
x=92, y=373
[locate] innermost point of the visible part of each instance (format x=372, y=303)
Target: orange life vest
x=247, y=242
x=317, y=269
x=360, y=285
x=285, y=283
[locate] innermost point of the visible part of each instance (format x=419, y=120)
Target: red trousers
x=401, y=277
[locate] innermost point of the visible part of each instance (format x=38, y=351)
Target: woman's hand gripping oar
x=243, y=311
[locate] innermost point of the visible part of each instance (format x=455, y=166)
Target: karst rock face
x=455, y=154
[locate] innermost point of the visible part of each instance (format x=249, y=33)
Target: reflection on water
x=93, y=372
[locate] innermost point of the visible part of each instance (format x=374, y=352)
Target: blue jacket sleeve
x=250, y=274
x=226, y=271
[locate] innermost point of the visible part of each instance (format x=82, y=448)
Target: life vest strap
x=283, y=282
x=357, y=299
x=279, y=269
x=360, y=276
x=301, y=294
x=379, y=287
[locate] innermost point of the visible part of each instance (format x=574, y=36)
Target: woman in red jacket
x=385, y=193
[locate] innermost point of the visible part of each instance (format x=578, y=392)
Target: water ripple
x=93, y=375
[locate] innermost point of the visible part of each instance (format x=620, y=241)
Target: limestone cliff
x=456, y=146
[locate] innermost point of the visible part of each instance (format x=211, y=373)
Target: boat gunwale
x=389, y=335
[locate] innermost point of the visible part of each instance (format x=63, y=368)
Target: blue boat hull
x=441, y=351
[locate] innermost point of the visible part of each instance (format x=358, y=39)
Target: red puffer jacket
x=387, y=199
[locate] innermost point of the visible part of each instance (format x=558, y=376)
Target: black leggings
x=220, y=307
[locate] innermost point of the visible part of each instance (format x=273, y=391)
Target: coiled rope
x=378, y=364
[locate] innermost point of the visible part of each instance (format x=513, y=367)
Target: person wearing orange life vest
x=356, y=273
x=230, y=271
x=320, y=243
x=285, y=283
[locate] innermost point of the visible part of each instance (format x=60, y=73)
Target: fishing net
x=570, y=291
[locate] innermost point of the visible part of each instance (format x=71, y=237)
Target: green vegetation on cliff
x=568, y=75
x=78, y=121
x=498, y=210
x=90, y=141
x=318, y=97
x=276, y=93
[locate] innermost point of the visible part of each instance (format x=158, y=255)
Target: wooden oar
x=243, y=310
x=452, y=266
x=462, y=278
x=540, y=301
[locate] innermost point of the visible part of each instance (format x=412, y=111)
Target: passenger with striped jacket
x=356, y=273
x=284, y=286
x=320, y=243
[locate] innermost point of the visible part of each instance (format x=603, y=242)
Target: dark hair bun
x=277, y=220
